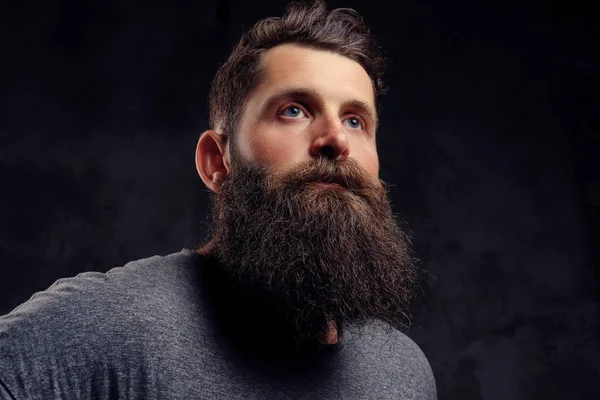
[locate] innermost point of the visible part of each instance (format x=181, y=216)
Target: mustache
x=347, y=173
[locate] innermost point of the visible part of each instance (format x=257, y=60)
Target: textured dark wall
x=486, y=135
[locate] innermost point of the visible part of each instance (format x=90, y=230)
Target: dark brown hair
x=341, y=31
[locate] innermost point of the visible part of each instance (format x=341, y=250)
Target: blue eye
x=354, y=123
x=292, y=111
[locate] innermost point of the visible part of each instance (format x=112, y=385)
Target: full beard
x=314, y=255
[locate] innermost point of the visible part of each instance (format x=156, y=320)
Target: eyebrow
x=306, y=93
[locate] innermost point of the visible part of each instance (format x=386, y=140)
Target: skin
x=308, y=103
x=335, y=116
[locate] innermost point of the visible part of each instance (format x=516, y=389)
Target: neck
x=330, y=336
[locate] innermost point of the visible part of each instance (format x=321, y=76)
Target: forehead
x=333, y=76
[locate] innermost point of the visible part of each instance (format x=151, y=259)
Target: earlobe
x=211, y=159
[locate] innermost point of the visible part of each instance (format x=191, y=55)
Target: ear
x=212, y=159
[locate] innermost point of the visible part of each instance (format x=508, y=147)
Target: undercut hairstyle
x=312, y=25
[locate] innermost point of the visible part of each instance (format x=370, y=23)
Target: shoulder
x=92, y=320
x=398, y=360
x=88, y=293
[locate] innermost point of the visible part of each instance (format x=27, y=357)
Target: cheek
x=365, y=152
x=273, y=148
x=371, y=165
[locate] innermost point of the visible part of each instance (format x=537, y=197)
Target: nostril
x=328, y=152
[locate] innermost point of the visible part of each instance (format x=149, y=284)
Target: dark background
x=487, y=133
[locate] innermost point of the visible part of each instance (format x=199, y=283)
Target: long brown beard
x=313, y=254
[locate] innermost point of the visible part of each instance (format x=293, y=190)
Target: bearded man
x=305, y=273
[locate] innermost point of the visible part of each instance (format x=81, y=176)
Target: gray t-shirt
x=148, y=331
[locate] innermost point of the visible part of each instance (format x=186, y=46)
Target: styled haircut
x=310, y=25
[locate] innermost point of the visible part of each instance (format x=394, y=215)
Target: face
x=309, y=103
x=314, y=253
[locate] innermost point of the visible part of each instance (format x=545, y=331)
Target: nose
x=330, y=140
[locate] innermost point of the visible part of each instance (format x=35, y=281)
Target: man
x=305, y=272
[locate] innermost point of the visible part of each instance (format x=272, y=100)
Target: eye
x=292, y=112
x=353, y=122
